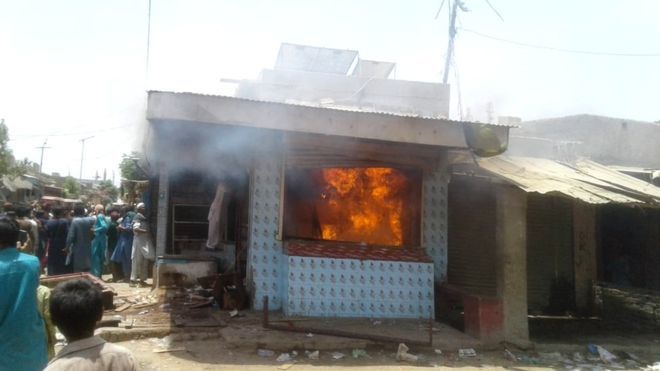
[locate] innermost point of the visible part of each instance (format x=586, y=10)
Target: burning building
x=328, y=206
x=334, y=212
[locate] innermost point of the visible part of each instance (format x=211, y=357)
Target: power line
x=78, y=133
x=437, y=14
x=563, y=50
x=494, y=10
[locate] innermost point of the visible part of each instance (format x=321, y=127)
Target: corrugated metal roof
x=13, y=184
x=332, y=106
x=585, y=180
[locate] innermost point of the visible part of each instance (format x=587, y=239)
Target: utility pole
x=452, y=33
x=41, y=162
x=82, y=154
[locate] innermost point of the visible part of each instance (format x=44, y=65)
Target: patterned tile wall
x=434, y=220
x=328, y=287
x=267, y=264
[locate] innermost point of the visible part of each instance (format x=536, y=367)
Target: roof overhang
x=584, y=180
x=382, y=126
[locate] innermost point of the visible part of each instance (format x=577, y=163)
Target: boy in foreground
x=75, y=307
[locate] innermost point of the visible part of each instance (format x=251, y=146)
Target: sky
x=76, y=69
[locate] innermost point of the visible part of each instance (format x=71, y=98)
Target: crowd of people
x=95, y=239
x=29, y=312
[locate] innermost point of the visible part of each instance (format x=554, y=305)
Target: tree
x=6, y=156
x=8, y=165
x=71, y=187
x=23, y=166
x=108, y=191
x=129, y=167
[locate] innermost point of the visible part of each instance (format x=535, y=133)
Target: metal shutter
x=471, y=235
x=549, y=249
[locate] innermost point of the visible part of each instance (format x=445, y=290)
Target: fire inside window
x=366, y=205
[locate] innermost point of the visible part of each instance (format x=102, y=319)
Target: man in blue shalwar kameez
x=124, y=248
x=100, y=242
x=79, y=241
x=23, y=338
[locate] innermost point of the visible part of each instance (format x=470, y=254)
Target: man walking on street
x=100, y=242
x=79, y=240
x=124, y=248
x=142, y=249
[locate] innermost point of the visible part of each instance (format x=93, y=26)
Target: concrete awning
x=302, y=118
x=585, y=180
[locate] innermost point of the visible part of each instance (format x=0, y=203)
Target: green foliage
x=6, y=156
x=8, y=165
x=71, y=187
x=22, y=167
x=108, y=192
x=129, y=167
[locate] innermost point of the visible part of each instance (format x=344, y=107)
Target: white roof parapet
x=385, y=126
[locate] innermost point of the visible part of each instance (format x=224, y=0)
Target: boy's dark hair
x=79, y=210
x=58, y=212
x=75, y=307
x=8, y=232
x=22, y=212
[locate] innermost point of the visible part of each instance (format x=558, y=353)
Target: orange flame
x=362, y=205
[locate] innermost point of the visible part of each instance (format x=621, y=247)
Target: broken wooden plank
x=170, y=350
x=144, y=305
x=123, y=307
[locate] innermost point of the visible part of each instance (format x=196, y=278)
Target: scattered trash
x=376, y=323
x=309, y=335
x=605, y=355
x=313, y=355
x=286, y=366
x=628, y=355
x=467, y=352
x=438, y=351
x=233, y=313
x=551, y=357
x=591, y=348
x=284, y=357
x=510, y=356
x=337, y=355
x=143, y=312
x=165, y=306
x=527, y=359
x=403, y=355
x=357, y=353
x=294, y=354
x=265, y=353
x=577, y=357
x=653, y=367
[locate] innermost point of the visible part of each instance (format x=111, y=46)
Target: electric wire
x=494, y=10
x=563, y=50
